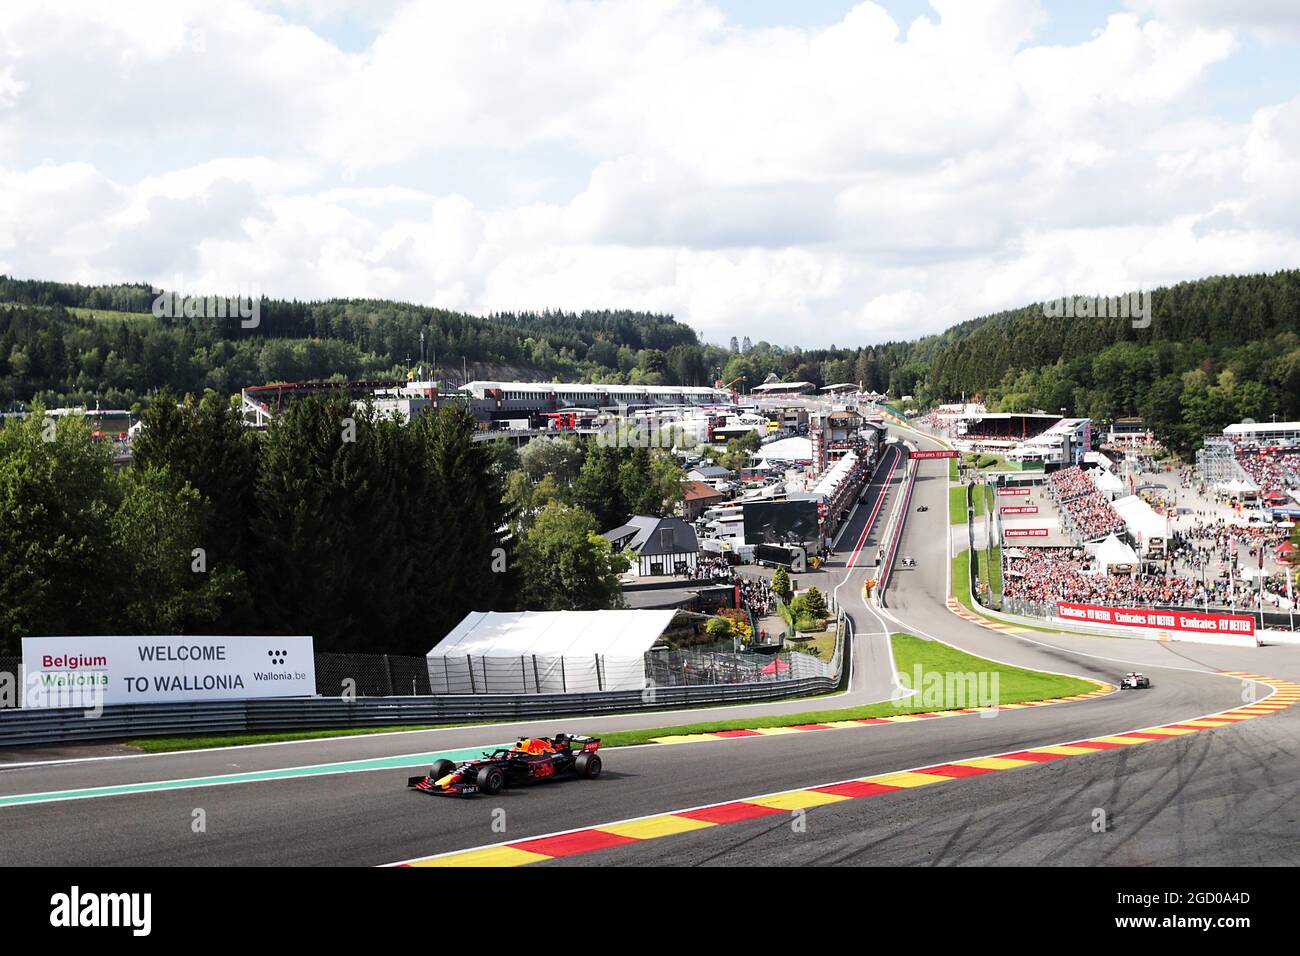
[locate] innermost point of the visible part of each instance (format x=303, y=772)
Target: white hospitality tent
x=545, y=652
x=787, y=449
x=1113, y=551
x=1237, y=487
x=1107, y=482
x=837, y=473
x=1142, y=520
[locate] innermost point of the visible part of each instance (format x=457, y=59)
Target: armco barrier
x=21, y=727
x=1008, y=615
x=894, y=532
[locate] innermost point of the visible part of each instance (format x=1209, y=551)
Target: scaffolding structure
x=1216, y=463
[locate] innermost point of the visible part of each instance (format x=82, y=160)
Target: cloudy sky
x=807, y=172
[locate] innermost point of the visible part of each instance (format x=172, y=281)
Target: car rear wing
x=588, y=744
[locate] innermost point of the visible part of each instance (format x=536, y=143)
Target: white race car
x=1134, y=681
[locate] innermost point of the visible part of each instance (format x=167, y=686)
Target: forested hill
x=1217, y=350
x=66, y=342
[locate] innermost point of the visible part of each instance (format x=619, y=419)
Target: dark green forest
x=72, y=344
x=1217, y=350
x=365, y=532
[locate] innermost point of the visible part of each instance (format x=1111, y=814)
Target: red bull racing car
x=531, y=759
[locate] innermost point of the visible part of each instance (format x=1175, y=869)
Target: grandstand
x=1001, y=428
x=1086, y=512
x=489, y=401
x=501, y=400
x=1258, y=461
x=260, y=403
x=1018, y=437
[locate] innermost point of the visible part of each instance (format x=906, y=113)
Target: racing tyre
x=440, y=769
x=587, y=765
x=490, y=780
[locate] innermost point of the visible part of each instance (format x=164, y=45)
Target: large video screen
x=780, y=522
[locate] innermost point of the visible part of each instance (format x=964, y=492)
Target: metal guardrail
x=23, y=727
x=894, y=532
x=673, y=674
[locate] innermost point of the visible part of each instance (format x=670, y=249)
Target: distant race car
x=1134, y=681
x=531, y=759
x=923, y=508
x=909, y=562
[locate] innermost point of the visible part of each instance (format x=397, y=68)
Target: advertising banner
x=934, y=454
x=1020, y=509
x=1012, y=492
x=86, y=671
x=1187, y=622
x=1024, y=533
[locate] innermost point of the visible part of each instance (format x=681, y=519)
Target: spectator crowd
x=1047, y=575
x=757, y=595
x=1272, y=470
x=1086, y=513
x=711, y=567
x=1197, y=573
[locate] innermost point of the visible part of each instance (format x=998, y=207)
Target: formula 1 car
x=909, y=562
x=923, y=508
x=531, y=759
x=1134, y=681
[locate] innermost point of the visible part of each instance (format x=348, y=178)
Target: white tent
x=545, y=652
x=1236, y=487
x=1107, y=482
x=787, y=449
x=837, y=474
x=1142, y=520
x=1113, y=551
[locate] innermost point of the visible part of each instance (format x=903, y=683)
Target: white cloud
x=853, y=183
x=1273, y=21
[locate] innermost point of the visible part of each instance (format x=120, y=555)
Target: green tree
x=598, y=489
x=165, y=586
x=781, y=584
x=466, y=561
x=561, y=458
x=333, y=547
x=718, y=629
x=566, y=565
x=813, y=602
x=57, y=497
x=204, y=444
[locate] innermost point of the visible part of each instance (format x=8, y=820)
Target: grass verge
x=160, y=745
x=961, y=580
x=957, y=505
x=1015, y=685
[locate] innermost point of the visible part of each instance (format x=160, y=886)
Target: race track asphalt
x=1223, y=795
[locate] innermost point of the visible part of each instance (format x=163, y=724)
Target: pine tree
x=781, y=584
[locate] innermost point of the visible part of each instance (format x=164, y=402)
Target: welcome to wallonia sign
x=86, y=671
